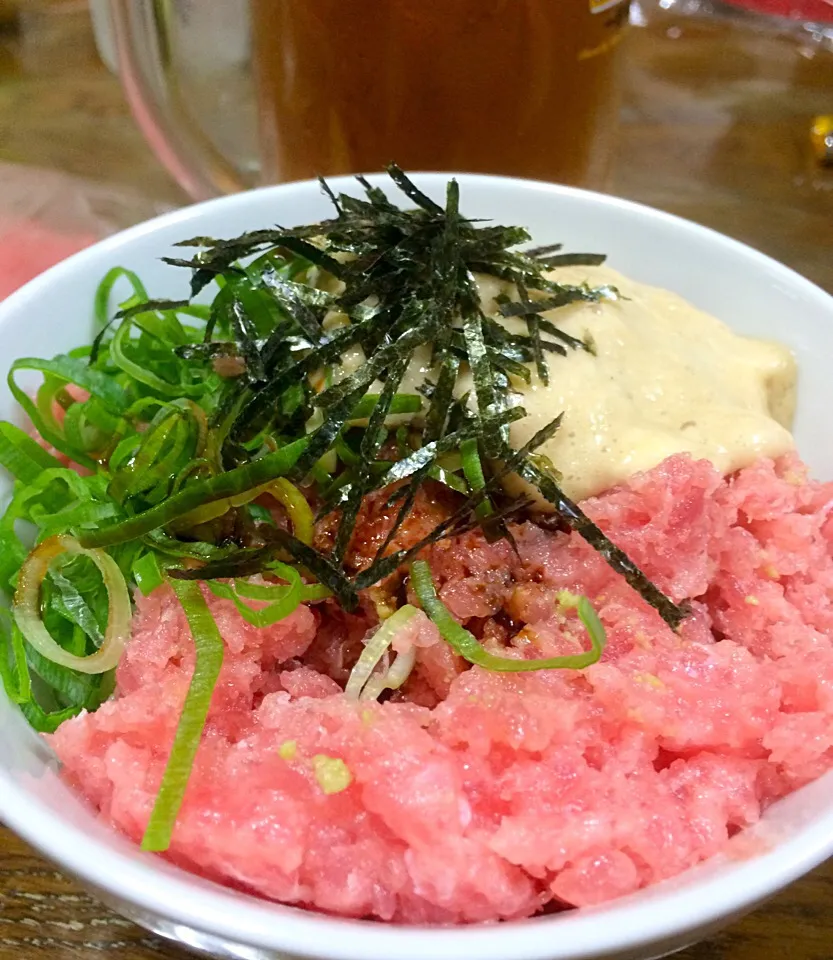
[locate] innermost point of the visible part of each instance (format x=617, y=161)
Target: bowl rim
x=210, y=908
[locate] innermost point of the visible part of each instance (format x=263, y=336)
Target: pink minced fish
x=479, y=796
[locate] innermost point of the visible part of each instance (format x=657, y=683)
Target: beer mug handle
x=184, y=149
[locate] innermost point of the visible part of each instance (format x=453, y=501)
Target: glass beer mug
x=233, y=93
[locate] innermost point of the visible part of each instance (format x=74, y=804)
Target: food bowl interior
x=745, y=289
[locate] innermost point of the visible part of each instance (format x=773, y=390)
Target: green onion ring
x=26, y=608
x=374, y=651
x=296, y=506
x=467, y=645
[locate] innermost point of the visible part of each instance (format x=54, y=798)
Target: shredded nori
x=380, y=283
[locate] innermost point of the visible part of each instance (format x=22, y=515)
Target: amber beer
x=520, y=87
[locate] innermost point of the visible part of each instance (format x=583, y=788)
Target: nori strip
x=408, y=282
x=573, y=260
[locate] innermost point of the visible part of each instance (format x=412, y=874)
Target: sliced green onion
x=170, y=430
x=283, y=600
x=60, y=499
x=467, y=645
x=80, y=434
x=322, y=471
x=67, y=370
x=152, y=318
x=12, y=552
x=124, y=450
x=105, y=288
x=22, y=456
x=200, y=311
x=261, y=514
x=46, y=721
x=285, y=492
x=269, y=591
x=118, y=351
x=147, y=573
x=448, y=479
x=74, y=608
x=296, y=506
x=68, y=687
x=226, y=485
x=473, y=471
x=27, y=613
x=393, y=678
x=13, y=670
x=314, y=591
x=74, y=370
x=401, y=403
x=50, y=393
x=345, y=452
x=375, y=649
x=204, y=514
x=209, y=648
x=148, y=463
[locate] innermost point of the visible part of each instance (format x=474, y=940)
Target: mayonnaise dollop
x=666, y=378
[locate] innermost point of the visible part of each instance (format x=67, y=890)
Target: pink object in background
x=46, y=216
x=819, y=11
x=27, y=248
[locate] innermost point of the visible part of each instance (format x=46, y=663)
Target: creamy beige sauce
x=666, y=378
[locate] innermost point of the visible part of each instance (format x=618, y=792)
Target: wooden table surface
x=716, y=128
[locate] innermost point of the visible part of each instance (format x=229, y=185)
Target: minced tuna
x=471, y=796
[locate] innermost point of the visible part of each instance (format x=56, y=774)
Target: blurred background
x=717, y=111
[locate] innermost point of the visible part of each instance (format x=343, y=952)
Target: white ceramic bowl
x=744, y=288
